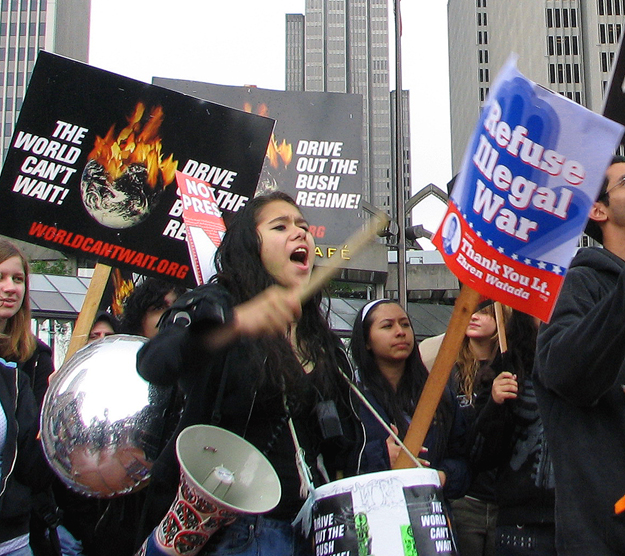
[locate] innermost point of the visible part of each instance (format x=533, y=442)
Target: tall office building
x=564, y=45
x=27, y=26
x=343, y=46
x=406, y=177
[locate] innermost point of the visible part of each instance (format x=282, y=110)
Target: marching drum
x=386, y=514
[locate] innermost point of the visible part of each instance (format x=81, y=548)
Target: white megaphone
x=221, y=476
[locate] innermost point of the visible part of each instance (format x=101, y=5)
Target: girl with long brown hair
x=475, y=514
x=21, y=393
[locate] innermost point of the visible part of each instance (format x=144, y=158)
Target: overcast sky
x=241, y=42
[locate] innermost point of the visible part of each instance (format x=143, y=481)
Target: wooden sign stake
x=89, y=309
x=465, y=306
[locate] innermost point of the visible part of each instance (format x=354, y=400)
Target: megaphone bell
x=222, y=476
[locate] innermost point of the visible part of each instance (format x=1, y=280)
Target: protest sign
x=530, y=175
x=314, y=154
x=91, y=166
x=203, y=222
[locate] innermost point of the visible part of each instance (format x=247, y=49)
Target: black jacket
x=445, y=443
x=510, y=438
x=258, y=415
x=38, y=368
x=579, y=374
x=23, y=466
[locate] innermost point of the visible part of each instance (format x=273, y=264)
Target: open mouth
x=300, y=255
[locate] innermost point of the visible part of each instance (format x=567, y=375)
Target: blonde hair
x=467, y=364
x=17, y=343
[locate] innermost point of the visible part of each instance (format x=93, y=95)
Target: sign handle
x=501, y=328
x=89, y=309
x=323, y=274
x=439, y=376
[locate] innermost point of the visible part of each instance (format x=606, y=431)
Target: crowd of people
x=527, y=440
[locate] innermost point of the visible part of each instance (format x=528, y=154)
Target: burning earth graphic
x=126, y=174
x=277, y=157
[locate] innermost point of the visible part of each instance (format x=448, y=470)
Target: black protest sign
x=429, y=522
x=91, y=166
x=335, y=528
x=315, y=153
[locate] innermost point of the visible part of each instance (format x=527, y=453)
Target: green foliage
x=58, y=267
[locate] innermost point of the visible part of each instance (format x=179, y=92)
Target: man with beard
x=579, y=376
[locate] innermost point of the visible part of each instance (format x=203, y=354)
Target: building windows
x=549, y=17
x=552, y=73
x=560, y=73
x=574, y=45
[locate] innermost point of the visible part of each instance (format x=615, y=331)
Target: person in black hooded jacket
x=19, y=349
x=250, y=358
x=22, y=466
x=579, y=375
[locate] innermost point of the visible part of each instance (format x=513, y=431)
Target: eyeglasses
x=616, y=185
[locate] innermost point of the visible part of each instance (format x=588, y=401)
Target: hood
x=599, y=259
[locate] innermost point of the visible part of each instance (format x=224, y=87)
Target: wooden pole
x=323, y=274
x=439, y=376
x=89, y=309
x=501, y=328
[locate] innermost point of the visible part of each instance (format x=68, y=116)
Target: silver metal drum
x=101, y=423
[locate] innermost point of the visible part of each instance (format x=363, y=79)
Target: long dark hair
x=150, y=293
x=521, y=333
x=241, y=271
x=396, y=403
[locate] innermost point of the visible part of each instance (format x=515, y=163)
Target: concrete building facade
x=565, y=45
x=26, y=27
x=346, y=50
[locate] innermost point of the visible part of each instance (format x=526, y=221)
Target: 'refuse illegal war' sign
x=530, y=175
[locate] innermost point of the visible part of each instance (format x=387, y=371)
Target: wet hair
x=150, y=293
x=17, y=343
x=467, y=364
x=396, y=403
x=241, y=271
x=593, y=229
